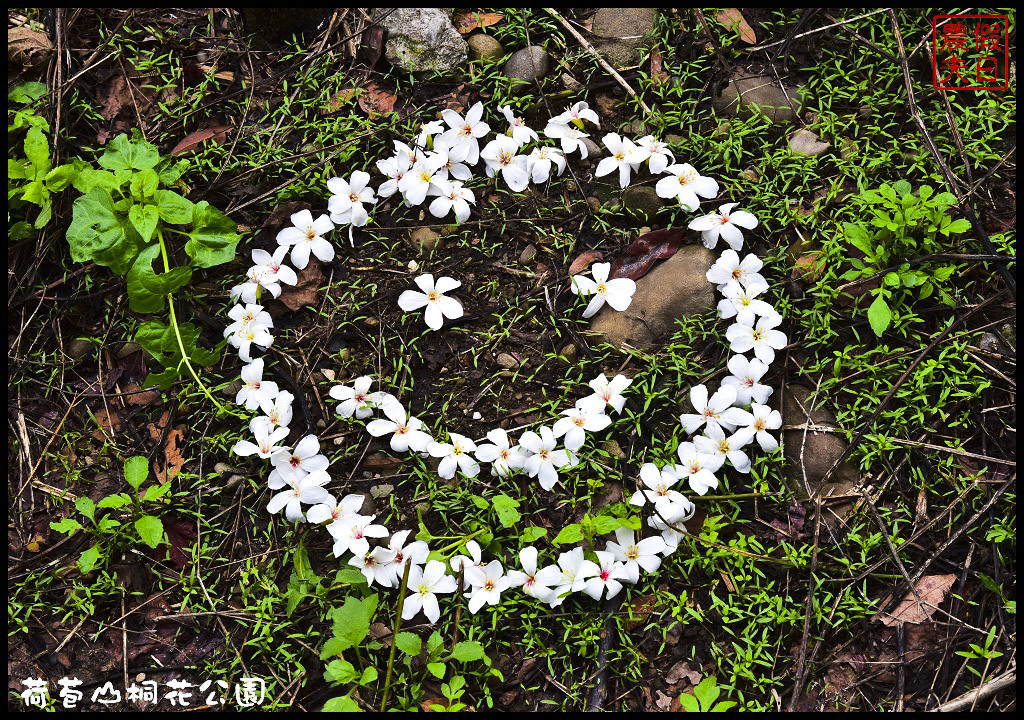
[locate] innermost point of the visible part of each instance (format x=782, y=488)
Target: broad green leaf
x=99, y=235
x=879, y=316
x=858, y=237
x=123, y=154
x=479, y=501
x=333, y=646
x=468, y=650
x=26, y=93
x=117, y=500
x=89, y=558
x=62, y=175
x=162, y=380
x=533, y=534
x=68, y=526
x=37, y=150
x=340, y=671
x=349, y=576
x=89, y=178
x=108, y=523
x=434, y=643
x=170, y=172
x=150, y=529
x=505, y=508
x=352, y=619
x=45, y=213
x=213, y=238
x=147, y=291
x=891, y=279
x=409, y=643
x=35, y=192
x=689, y=702
x=145, y=219
x=341, y=704
x=902, y=187
x=369, y=675
x=87, y=507
x=143, y=184
x=707, y=692
x=569, y=534
x=173, y=208
x=155, y=492
x=958, y=226
x=437, y=669
x=604, y=524
x=17, y=169
x=136, y=470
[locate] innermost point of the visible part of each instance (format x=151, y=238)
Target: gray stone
x=79, y=348
x=642, y=201
x=672, y=290
x=569, y=82
x=528, y=254
x=128, y=348
x=612, y=448
x=422, y=39
x=423, y=240
x=620, y=33
x=529, y=64
x=637, y=128
x=805, y=142
x=750, y=175
x=748, y=94
x=594, y=150
x=809, y=453
x=485, y=47
x=383, y=490
x=594, y=203
x=569, y=353
x=507, y=361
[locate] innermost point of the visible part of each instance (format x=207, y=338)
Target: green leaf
x=533, y=534
x=143, y=184
x=437, y=669
x=340, y=671
x=958, y=226
x=604, y=524
x=88, y=178
x=434, y=643
x=68, y=526
x=87, y=507
x=352, y=620
x=117, y=500
x=569, y=534
x=707, y=692
x=879, y=315
x=468, y=650
x=136, y=470
x=108, y=523
x=902, y=187
x=891, y=279
x=155, y=492
x=17, y=169
x=145, y=219
x=213, y=238
x=369, y=675
x=349, y=576
x=150, y=529
x=62, y=175
x=341, y=704
x=859, y=237
x=123, y=154
x=89, y=558
x=99, y=235
x=478, y=501
x=409, y=643
x=505, y=508
x=26, y=93
x=173, y=208
x=333, y=646
x=147, y=291
x=37, y=150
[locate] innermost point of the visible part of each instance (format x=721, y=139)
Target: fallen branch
x=968, y=700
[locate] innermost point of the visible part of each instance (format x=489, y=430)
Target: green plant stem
x=177, y=335
x=462, y=541
x=394, y=635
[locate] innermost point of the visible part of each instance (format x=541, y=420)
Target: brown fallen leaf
x=371, y=45
x=304, y=292
x=28, y=48
x=582, y=262
x=639, y=610
x=108, y=421
x=339, y=99
x=642, y=253
x=734, y=20
x=116, y=97
x=135, y=395
x=376, y=101
x=173, y=460
x=680, y=671
x=662, y=701
x=931, y=588
x=468, y=21
x=658, y=74
x=282, y=214
x=191, y=142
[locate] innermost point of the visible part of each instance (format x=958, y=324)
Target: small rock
x=805, y=142
x=810, y=117
x=637, y=128
x=593, y=149
x=810, y=454
x=643, y=201
x=675, y=140
x=378, y=462
x=529, y=64
x=569, y=82
x=78, y=348
x=759, y=93
x=605, y=104
x=722, y=129
x=223, y=468
x=847, y=148
x=594, y=203
x=345, y=354
x=484, y=47
x=383, y=490
x=421, y=39
x=864, y=112
x=671, y=290
x=506, y=374
x=569, y=353
x=620, y=33
x=423, y=508
x=477, y=416
x=413, y=266
x=507, y=361
x=424, y=240
x=231, y=389
x=371, y=322
x=750, y=175
x=612, y=448
x=528, y=254
x=328, y=375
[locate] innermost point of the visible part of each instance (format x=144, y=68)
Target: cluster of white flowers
x=436, y=165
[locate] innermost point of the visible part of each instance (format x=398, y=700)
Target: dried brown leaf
x=582, y=262
x=468, y=21
x=28, y=47
x=734, y=20
x=304, y=292
x=371, y=45
x=682, y=670
x=658, y=74
x=639, y=610
x=282, y=214
x=338, y=99
x=191, y=142
x=931, y=588
x=642, y=253
x=376, y=101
